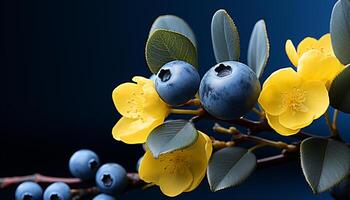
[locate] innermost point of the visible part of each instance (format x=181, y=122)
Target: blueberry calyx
x=93, y=164
x=164, y=75
x=27, y=196
x=107, y=180
x=223, y=70
x=55, y=197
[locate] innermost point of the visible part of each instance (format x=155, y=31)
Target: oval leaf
x=164, y=46
x=259, y=48
x=229, y=167
x=225, y=37
x=175, y=24
x=325, y=162
x=340, y=30
x=171, y=136
x=339, y=92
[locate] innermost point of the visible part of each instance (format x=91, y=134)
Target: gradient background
x=60, y=61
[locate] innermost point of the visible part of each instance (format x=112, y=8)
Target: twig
x=134, y=180
x=240, y=136
x=80, y=193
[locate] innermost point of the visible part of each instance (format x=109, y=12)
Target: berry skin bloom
x=141, y=108
x=323, y=45
x=178, y=171
x=291, y=102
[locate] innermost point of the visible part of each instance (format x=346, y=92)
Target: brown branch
x=80, y=193
x=134, y=180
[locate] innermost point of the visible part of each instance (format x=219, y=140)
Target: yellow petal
x=270, y=100
x=173, y=184
x=198, y=155
x=134, y=131
x=325, y=44
x=317, y=99
x=292, y=53
x=285, y=78
x=274, y=123
x=296, y=119
x=313, y=65
x=306, y=45
x=150, y=169
x=142, y=80
x=128, y=99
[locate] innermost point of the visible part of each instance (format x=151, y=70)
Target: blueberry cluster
x=111, y=180
x=227, y=91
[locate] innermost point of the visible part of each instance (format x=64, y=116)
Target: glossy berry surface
x=229, y=90
x=177, y=82
x=103, y=197
x=342, y=191
x=111, y=178
x=84, y=164
x=57, y=191
x=29, y=191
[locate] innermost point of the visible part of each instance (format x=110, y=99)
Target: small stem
x=335, y=118
x=218, y=144
x=240, y=136
x=193, y=102
x=184, y=112
x=256, y=147
x=258, y=112
x=80, y=193
x=334, y=131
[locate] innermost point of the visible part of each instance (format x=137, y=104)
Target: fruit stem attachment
x=184, y=111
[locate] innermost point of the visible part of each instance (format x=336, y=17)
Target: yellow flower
x=178, y=171
x=313, y=65
x=291, y=102
x=323, y=45
x=142, y=110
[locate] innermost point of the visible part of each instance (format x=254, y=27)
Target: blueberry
x=138, y=163
x=153, y=77
x=57, y=191
x=84, y=164
x=111, y=178
x=29, y=191
x=177, y=82
x=229, y=90
x=342, y=191
x=103, y=197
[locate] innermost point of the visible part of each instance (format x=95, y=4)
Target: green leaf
x=171, y=136
x=225, y=37
x=229, y=167
x=259, y=48
x=340, y=30
x=164, y=46
x=325, y=162
x=339, y=92
x=175, y=24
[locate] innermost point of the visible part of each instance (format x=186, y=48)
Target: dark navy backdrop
x=60, y=61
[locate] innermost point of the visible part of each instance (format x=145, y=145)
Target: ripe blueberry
x=29, y=191
x=57, y=191
x=229, y=90
x=111, y=178
x=177, y=82
x=84, y=164
x=103, y=197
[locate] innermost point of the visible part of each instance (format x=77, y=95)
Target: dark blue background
x=60, y=61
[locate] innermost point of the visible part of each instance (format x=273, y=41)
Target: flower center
x=294, y=100
x=175, y=161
